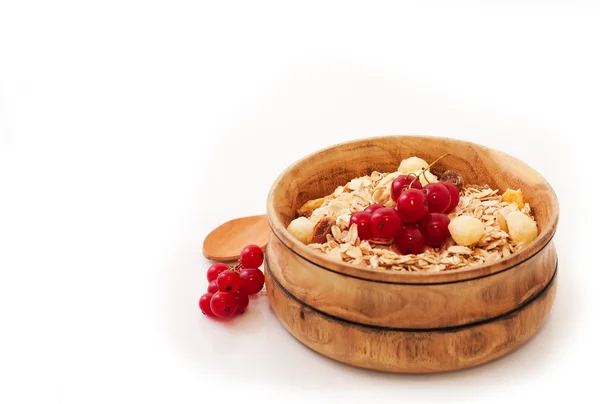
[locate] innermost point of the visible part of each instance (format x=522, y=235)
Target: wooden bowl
x=409, y=322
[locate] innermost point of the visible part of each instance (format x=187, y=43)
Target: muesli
x=415, y=220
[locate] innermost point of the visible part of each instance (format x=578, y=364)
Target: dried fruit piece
x=454, y=178
x=308, y=208
x=503, y=213
x=437, y=170
x=321, y=230
x=301, y=228
x=427, y=178
x=466, y=230
x=513, y=195
x=521, y=227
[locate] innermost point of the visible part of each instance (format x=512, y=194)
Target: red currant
x=412, y=205
x=410, y=241
x=435, y=229
x=438, y=197
x=214, y=270
x=228, y=281
x=454, y=196
x=402, y=183
x=223, y=304
x=373, y=208
x=242, y=301
x=252, y=256
x=363, y=223
x=204, y=304
x=252, y=281
x=385, y=223
x=213, y=287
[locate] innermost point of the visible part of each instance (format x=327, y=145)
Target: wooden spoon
x=226, y=241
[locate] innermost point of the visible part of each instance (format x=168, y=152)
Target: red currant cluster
x=230, y=286
x=418, y=218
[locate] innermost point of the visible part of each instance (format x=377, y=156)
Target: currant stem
x=236, y=267
x=427, y=168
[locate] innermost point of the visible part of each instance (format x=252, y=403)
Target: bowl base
x=409, y=350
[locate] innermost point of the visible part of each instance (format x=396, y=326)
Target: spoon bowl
x=227, y=241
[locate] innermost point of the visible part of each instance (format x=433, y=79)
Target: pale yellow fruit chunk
x=412, y=165
x=503, y=213
x=466, y=230
x=427, y=178
x=301, y=228
x=513, y=195
x=415, y=165
x=521, y=227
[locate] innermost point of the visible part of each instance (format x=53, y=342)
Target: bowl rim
x=388, y=276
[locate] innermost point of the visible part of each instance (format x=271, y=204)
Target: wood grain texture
x=404, y=351
x=226, y=241
x=410, y=305
x=383, y=319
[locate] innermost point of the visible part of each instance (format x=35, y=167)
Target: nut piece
x=521, y=227
x=466, y=230
x=301, y=228
x=321, y=230
x=454, y=178
x=512, y=195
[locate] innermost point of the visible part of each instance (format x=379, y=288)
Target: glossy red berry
x=242, y=302
x=228, y=281
x=404, y=182
x=252, y=256
x=454, y=196
x=212, y=287
x=204, y=304
x=373, y=208
x=385, y=223
x=438, y=197
x=252, y=281
x=214, y=270
x=223, y=304
x=362, y=219
x=410, y=241
x=435, y=229
x=412, y=205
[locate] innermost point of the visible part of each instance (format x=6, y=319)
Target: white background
x=130, y=129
